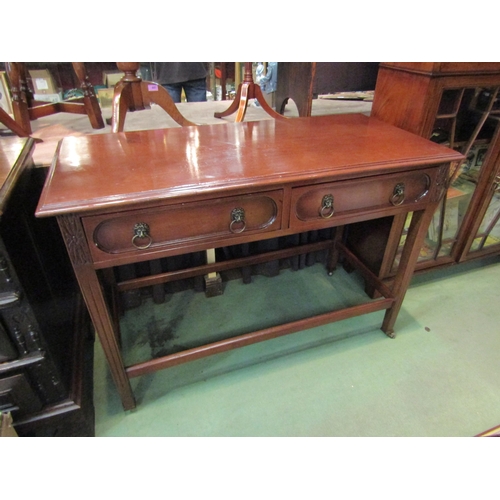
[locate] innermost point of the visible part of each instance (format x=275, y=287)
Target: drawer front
x=321, y=204
x=151, y=229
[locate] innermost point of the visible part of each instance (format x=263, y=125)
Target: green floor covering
x=440, y=376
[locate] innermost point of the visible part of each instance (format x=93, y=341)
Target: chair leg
x=89, y=98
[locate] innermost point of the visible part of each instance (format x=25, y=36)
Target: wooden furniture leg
x=92, y=292
x=12, y=124
x=16, y=73
x=90, y=103
x=333, y=255
x=122, y=102
x=418, y=227
x=134, y=94
x=248, y=90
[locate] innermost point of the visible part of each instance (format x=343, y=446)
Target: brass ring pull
x=327, y=210
x=398, y=195
x=141, y=231
x=425, y=192
x=237, y=217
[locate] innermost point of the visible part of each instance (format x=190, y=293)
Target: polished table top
x=106, y=171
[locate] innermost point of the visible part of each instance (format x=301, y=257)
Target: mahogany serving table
x=135, y=196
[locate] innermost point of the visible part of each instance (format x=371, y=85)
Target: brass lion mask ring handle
x=238, y=223
x=141, y=232
x=398, y=195
x=327, y=210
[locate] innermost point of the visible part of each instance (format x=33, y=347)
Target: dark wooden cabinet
x=304, y=81
x=45, y=336
x=457, y=105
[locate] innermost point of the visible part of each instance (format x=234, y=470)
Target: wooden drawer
x=320, y=205
x=144, y=230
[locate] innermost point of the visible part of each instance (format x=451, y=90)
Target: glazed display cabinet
x=457, y=105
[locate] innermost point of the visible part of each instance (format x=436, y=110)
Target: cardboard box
x=43, y=83
x=57, y=97
x=105, y=97
x=111, y=78
x=6, y=427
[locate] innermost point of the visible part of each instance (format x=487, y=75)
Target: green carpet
x=440, y=376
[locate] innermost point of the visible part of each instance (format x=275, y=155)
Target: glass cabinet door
x=488, y=233
x=467, y=121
